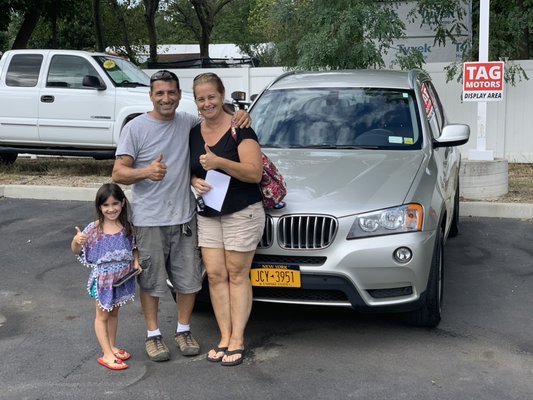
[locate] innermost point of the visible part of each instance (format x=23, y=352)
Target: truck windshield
x=122, y=72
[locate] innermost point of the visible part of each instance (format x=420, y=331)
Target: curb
x=51, y=192
x=467, y=208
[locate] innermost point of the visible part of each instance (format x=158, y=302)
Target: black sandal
x=234, y=362
x=217, y=350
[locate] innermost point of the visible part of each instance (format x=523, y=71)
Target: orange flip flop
x=122, y=355
x=116, y=366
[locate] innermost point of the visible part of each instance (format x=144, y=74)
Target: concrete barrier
x=484, y=180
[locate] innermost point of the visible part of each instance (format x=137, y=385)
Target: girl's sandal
x=116, y=365
x=122, y=355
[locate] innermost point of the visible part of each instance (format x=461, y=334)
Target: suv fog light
x=403, y=255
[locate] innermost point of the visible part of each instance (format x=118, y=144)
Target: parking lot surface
x=482, y=349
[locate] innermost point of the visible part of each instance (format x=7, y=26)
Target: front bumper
x=360, y=273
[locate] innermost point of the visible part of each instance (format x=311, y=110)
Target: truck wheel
x=429, y=314
x=8, y=158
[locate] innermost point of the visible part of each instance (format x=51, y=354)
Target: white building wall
x=509, y=128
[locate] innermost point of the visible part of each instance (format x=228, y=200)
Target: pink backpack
x=272, y=185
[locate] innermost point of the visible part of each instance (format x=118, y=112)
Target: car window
x=68, y=71
x=337, y=118
x=24, y=70
x=433, y=109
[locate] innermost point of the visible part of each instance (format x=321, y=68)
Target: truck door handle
x=47, y=99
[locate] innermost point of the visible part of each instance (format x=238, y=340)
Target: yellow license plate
x=274, y=275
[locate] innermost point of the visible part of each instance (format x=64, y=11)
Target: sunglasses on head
x=205, y=75
x=164, y=75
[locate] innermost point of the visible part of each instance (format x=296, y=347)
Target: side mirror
x=238, y=96
x=453, y=135
x=93, y=82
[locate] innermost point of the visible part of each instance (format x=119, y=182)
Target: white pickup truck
x=67, y=102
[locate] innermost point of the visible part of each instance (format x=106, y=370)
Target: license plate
x=275, y=275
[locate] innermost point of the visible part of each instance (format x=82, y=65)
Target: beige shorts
x=240, y=231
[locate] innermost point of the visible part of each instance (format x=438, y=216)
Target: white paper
x=220, y=183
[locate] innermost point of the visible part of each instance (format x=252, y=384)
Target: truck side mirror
x=93, y=82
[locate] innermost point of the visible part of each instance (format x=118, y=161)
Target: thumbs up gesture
x=208, y=160
x=80, y=238
x=157, y=169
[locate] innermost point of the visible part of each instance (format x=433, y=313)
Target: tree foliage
x=310, y=34
x=198, y=16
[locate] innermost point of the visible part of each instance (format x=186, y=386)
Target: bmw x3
x=372, y=170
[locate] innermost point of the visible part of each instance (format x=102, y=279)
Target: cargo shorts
x=169, y=252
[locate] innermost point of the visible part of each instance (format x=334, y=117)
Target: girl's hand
x=80, y=238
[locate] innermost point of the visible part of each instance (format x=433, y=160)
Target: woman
x=228, y=238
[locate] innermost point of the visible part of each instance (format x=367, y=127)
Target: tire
x=8, y=158
x=454, y=226
x=429, y=314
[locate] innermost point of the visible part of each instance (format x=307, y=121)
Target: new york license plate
x=275, y=275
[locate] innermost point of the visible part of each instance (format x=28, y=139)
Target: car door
x=71, y=114
x=20, y=106
x=446, y=157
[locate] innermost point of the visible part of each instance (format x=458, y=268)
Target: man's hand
x=242, y=119
x=157, y=169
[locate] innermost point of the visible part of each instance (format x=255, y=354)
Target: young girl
x=108, y=247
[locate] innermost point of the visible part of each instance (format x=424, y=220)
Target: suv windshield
x=337, y=118
x=122, y=72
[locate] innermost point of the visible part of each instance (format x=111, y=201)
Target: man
x=153, y=157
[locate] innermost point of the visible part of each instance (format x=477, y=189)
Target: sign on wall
x=483, y=81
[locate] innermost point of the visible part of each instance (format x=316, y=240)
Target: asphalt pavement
x=482, y=348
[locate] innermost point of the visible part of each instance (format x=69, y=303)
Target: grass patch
x=58, y=167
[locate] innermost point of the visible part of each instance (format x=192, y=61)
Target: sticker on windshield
x=408, y=140
x=108, y=64
x=395, y=139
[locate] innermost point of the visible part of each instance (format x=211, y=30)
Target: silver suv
x=373, y=191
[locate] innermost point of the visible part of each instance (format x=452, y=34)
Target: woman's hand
x=200, y=186
x=209, y=160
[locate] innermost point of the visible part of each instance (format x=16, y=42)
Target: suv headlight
x=406, y=218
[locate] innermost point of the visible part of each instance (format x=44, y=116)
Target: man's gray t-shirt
x=169, y=201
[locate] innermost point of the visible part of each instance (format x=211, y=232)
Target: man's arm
x=124, y=173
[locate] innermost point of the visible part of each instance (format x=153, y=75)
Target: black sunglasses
x=164, y=75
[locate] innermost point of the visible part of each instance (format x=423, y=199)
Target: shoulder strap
x=233, y=131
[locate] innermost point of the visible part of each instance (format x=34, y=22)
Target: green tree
x=199, y=17
x=150, y=9
x=315, y=34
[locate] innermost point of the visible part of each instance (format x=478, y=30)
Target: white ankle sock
x=183, y=328
x=153, y=333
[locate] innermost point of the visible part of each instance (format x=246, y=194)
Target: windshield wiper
x=130, y=84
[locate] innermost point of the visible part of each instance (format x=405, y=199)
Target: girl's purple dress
x=110, y=257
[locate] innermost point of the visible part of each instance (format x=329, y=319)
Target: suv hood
x=344, y=182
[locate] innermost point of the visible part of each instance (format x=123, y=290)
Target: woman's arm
x=249, y=169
